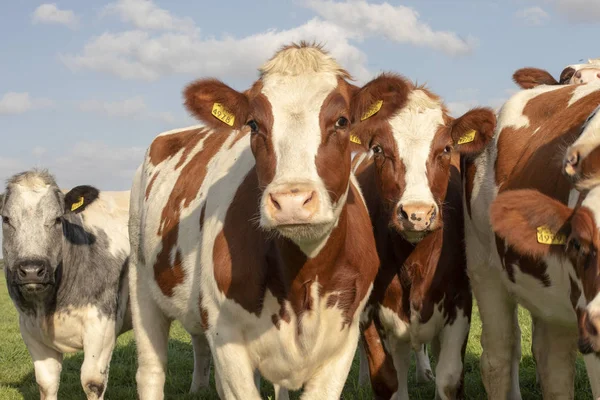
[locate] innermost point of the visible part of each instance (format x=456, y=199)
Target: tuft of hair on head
x=34, y=179
x=300, y=58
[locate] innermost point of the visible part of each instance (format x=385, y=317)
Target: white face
x=32, y=234
x=585, y=75
x=297, y=200
x=414, y=129
x=587, y=142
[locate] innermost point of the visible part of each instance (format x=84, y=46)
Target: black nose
x=31, y=272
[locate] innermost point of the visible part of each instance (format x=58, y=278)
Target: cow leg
x=202, y=357
x=47, y=364
x=328, y=382
x=592, y=366
x=378, y=364
x=450, y=363
x=151, y=329
x=401, y=355
x=555, y=351
x=498, y=316
x=424, y=373
x=281, y=393
x=234, y=372
x=98, y=344
x=363, y=371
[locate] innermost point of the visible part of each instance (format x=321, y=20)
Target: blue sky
x=86, y=85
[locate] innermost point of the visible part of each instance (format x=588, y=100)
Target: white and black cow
x=66, y=258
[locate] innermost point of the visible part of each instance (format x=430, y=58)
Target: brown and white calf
x=582, y=159
x=251, y=229
x=528, y=78
x=534, y=127
x=65, y=257
x=411, y=180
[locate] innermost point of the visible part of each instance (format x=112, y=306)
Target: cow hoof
x=425, y=377
x=95, y=390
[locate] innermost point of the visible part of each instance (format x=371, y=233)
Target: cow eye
x=6, y=220
x=576, y=245
x=447, y=149
x=341, y=123
x=58, y=221
x=377, y=149
x=253, y=126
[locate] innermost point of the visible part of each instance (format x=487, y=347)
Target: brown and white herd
x=306, y=215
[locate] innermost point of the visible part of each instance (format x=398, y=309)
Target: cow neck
x=77, y=244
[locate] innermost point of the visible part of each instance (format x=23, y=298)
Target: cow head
x=412, y=138
x=573, y=235
x=298, y=115
x=581, y=162
x=34, y=212
x=528, y=78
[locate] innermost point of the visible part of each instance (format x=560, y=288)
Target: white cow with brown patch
x=515, y=252
x=250, y=229
x=528, y=78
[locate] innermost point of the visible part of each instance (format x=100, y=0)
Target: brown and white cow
x=251, y=229
x=411, y=180
x=528, y=78
x=534, y=127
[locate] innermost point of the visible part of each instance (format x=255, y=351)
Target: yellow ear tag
x=546, y=236
x=355, y=139
x=374, y=109
x=467, y=137
x=220, y=113
x=75, y=206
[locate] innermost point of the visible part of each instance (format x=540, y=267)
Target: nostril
x=403, y=213
x=309, y=199
x=22, y=273
x=275, y=203
x=573, y=159
x=40, y=272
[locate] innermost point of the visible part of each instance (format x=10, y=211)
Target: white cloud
x=534, y=16
x=144, y=14
x=134, y=106
x=458, y=108
x=157, y=48
x=50, y=14
x=397, y=23
x=19, y=103
x=38, y=151
x=578, y=10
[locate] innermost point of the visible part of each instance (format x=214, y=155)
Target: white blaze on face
x=296, y=103
x=414, y=128
x=590, y=135
x=592, y=201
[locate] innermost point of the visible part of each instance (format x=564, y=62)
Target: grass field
x=17, y=379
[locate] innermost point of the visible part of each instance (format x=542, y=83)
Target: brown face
x=582, y=250
x=299, y=133
x=412, y=140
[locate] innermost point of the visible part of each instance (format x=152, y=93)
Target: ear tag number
x=546, y=236
x=77, y=205
x=220, y=113
x=374, y=109
x=467, y=137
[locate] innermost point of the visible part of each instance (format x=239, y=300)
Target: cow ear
x=566, y=75
x=374, y=104
x=532, y=223
x=473, y=131
x=80, y=197
x=528, y=78
x=216, y=104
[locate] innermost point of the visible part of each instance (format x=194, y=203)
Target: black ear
x=79, y=198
